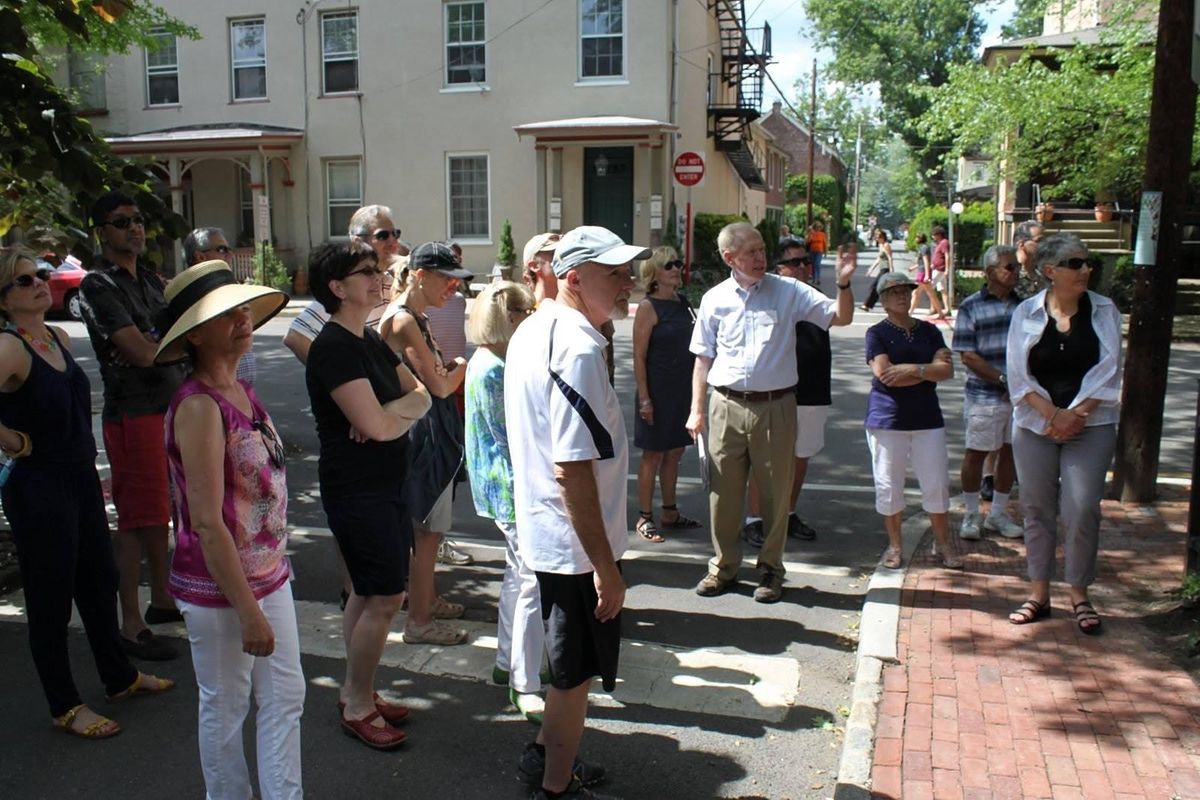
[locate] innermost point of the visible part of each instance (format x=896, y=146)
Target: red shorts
x=137, y=454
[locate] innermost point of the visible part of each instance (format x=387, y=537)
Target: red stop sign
x=689, y=168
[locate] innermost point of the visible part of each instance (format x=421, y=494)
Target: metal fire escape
x=737, y=90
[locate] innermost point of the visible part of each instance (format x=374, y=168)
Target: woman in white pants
x=497, y=312
x=230, y=573
x=904, y=421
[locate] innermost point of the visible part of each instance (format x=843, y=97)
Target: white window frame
x=161, y=70
x=341, y=202
x=447, y=44
x=450, y=233
x=624, y=35
x=255, y=63
x=327, y=58
x=85, y=76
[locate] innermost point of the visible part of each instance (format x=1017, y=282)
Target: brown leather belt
x=755, y=397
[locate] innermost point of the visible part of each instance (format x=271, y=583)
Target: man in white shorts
x=981, y=339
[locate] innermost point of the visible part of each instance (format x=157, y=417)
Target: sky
x=793, y=54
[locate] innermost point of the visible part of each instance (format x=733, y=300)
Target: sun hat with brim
x=890, y=280
x=591, y=243
x=205, y=292
x=438, y=256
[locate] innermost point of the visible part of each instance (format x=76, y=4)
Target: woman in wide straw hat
x=229, y=574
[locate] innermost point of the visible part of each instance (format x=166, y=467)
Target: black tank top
x=53, y=408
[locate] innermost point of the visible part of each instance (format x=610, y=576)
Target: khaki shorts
x=989, y=426
x=810, y=430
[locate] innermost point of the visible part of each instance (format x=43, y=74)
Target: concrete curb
x=876, y=647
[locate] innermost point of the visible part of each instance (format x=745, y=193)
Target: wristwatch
x=842, y=285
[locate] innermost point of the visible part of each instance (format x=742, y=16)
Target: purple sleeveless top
x=254, y=508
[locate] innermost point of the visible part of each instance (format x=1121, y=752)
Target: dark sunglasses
x=677, y=264
x=26, y=280
x=793, y=262
x=370, y=272
x=383, y=236
x=270, y=441
x=121, y=223
x=1009, y=267
x=1075, y=263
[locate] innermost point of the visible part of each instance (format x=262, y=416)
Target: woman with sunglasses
x=364, y=402
x=54, y=503
x=1064, y=378
x=881, y=266
x=437, y=440
x=230, y=573
x=662, y=369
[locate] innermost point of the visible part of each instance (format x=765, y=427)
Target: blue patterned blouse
x=488, y=461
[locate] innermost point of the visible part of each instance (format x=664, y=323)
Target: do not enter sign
x=689, y=168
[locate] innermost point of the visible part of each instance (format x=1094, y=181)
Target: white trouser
x=520, y=618
x=891, y=453
x=226, y=676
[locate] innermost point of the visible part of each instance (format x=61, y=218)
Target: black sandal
x=1086, y=612
x=647, y=529
x=1030, y=611
x=680, y=523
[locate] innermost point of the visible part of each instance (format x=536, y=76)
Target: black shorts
x=578, y=645
x=374, y=533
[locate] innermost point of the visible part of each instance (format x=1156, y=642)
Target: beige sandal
x=892, y=558
x=436, y=632
x=444, y=609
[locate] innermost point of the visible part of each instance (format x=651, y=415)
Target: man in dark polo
x=121, y=301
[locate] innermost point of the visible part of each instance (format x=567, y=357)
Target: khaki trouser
x=743, y=436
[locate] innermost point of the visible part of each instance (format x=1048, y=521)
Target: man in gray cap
x=570, y=460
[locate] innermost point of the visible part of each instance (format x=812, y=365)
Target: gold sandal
x=103, y=728
x=139, y=686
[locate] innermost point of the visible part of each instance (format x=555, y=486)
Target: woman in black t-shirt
x=364, y=401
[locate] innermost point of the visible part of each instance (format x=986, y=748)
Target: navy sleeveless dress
x=669, y=377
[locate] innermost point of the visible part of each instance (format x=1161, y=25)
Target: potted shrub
x=506, y=256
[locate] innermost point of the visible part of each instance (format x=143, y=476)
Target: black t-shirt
x=347, y=467
x=1060, y=360
x=814, y=363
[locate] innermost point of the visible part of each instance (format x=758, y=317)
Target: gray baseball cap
x=890, y=280
x=596, y=244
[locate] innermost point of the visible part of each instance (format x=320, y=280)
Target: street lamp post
x=956, y=208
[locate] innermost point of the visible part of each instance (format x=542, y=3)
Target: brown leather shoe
x=711, y=586
x=770, y=588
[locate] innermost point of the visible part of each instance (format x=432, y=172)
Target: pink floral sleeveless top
x=254, y=508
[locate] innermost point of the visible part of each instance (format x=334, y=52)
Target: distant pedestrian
x=939, y=263
x=205, y=244
x=662, y=371
x=1064, y=376
x=882, y=265
x=1025, y=238
x=570, y=460
x=816, y=245
x=923, y=275
x=537, y=261
x=904, y=423
x=230, y=572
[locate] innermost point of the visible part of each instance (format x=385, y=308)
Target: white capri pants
x=226, y=677
x=521, y=635
x=891, y=452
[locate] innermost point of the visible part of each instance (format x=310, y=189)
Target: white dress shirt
x=1102, y=382
x=750, y=334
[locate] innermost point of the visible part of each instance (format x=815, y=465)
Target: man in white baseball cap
x=570, y=459
x=537, y=258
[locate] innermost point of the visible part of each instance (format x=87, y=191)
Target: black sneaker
x=753, y=533
x=986, y=488
x=532, y=768
x=161, y=616
x=149, y=647
x=799, y=530
x=574, y=791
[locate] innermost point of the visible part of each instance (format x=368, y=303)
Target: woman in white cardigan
x=1064, y=348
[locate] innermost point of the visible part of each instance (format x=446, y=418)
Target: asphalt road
x=693, y=741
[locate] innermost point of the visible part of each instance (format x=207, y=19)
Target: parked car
x=64, y=287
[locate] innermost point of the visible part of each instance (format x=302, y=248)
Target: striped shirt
x=982, y=327
x=309, y=322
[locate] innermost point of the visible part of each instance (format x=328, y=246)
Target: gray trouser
x=1063, y=479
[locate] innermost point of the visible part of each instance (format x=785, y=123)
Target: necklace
x=45, y=346
x=908, y=332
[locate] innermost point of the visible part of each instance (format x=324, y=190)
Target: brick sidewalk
x=980, y=708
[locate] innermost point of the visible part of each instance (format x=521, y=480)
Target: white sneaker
x=1004, y=525
x=448, y=553
x=970, y=526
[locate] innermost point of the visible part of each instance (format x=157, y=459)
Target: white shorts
x=810, y=430
x=939, y=280
x=892, y=452
x=989, y=426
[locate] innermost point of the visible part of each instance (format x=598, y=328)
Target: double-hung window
x=339, y=52
x=466, y=43
x=601, y=39
x=467, y=192
x=343, y=193
x=248, y=51
x=86, y=78
x=162, y=69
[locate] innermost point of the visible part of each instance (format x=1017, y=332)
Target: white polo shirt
x=560, y=407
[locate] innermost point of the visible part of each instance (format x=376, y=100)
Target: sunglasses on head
x=676, y=264
x=270, y=441
x=793, y=262
x=383, y=236
x=26, y=280
x=1075, y=263
x=121, y=223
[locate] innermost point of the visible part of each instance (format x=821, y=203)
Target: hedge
x=972, y=229
x=707, y=266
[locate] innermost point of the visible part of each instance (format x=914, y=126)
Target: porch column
x=175, y=186
x=260, y=198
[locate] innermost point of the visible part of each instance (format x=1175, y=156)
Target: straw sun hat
x=205, y=292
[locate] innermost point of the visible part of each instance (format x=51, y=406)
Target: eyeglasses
x=121, y=223
x=270, y=441
x=223, y=249
x=370, y=272
x=1008, y=267
x=793, y=262
x=26, y=280
x=384, y=235
x=1075, y=263
x=677, y=264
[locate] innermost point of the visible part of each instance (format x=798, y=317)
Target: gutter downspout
x=674, y=111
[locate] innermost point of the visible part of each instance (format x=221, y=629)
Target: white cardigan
x=1102, y=382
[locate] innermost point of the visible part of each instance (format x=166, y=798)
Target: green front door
x=608, y=189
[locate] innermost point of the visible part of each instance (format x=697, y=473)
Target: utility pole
x=1168, y=159
x=812, y=139
x=857, y=175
